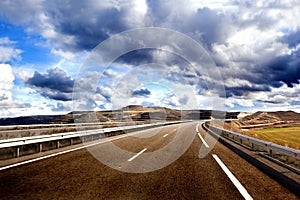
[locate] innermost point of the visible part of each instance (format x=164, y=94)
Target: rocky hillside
x=270, y=119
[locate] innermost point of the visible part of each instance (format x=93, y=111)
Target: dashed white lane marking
x=63, y=152
x=203, y=141
x=234, y=180
x=136, y=155
x=166, y=135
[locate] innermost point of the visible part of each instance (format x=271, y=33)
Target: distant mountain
x=279, y=118
x=39, y=119
x=128, y=113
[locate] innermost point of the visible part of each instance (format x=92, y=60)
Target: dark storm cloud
x=292, y=39
x=89, y=25
x=70, y=26
x=278, y=71
x=283, y=69
x=55, y=84
x=56, y=95
x=150, y=55
x=55, y=79
x=137, y=57
x=245, y=90
x=205, y=25
x=209, y=26
x=141, y=93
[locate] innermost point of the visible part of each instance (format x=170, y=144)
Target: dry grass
x=289, y=136
x=9, y=135
x=55, y=131
x=284, y=136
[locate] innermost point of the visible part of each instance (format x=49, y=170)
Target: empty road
x=80, y=175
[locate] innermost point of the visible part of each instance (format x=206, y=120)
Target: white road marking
x=166, y=135
x=234, y=180
x=201, y=138
x=203, y=141
x=136, y=155
x=63, y=152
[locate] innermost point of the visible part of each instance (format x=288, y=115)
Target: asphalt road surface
x=80, y=175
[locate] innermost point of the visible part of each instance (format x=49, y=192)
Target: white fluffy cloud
x=7, y=50
x=6, y=84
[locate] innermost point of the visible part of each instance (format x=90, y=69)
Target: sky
x=52, y=55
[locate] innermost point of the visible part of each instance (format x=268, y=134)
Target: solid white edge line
x=201, y=138
x=233, y=179
x=203, y=141
x=136, y=155
x=62, y=152
x=166, y=135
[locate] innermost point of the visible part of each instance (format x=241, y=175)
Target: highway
x=79, y=174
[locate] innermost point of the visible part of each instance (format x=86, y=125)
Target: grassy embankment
x=288, y=136
x=284, y=136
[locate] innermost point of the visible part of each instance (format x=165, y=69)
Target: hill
x=128, y=113
x=270, y=119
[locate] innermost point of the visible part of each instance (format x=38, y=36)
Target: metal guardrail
x=271, y=147
x=40, y=126
x=6, y=145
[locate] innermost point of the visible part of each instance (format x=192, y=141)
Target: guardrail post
x=40, y=147
x=18, y=151
x=252, y=146
x=241, y=141
x=71, y=141
x=270, y=152
x=57, y=144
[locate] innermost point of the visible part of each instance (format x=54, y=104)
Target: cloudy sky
x=45, y=52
